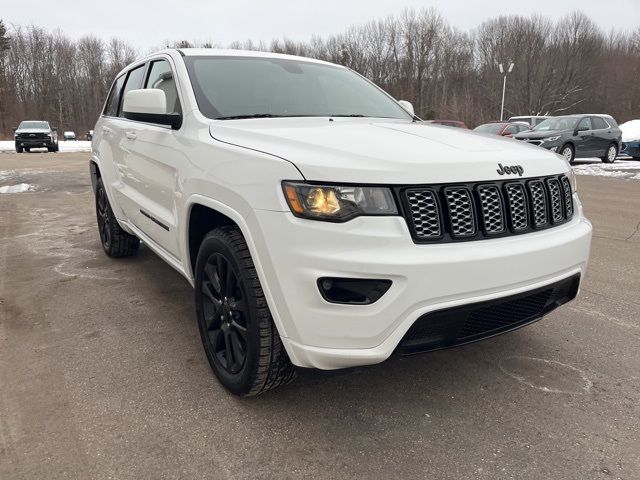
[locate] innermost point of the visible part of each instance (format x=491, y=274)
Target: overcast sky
x=147, y=24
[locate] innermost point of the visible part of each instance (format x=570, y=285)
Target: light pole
x=504, y=86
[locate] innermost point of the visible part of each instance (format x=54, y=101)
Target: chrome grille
x=555, y=200
x=568, y=197
x=492, y=211
x=425, y=213
x=449, y=213
x=460, y=209
x=517, y=200
x=538, y=203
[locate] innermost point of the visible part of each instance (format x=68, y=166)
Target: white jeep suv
x=321, y=223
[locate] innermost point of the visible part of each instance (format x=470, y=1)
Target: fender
x=197, y=199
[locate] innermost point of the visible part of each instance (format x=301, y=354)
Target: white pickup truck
x=322, y=223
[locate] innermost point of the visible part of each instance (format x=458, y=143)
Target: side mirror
x=582, y=129
x=407, y=106
x=150, y=106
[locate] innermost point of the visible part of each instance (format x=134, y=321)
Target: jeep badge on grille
x=510, y=169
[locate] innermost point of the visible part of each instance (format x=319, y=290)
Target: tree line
x=564, y=66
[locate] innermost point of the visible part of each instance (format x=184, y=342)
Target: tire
x=19, y=149
x=241, y=342
x=568, y=152
x=115, y=241
x=28, y=150
x=56, y=147
x=51, y=149
x=637, y=159
x=611, y=154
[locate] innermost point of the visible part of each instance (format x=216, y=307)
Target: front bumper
x=425, y=278
x=631, y=148
x=34, y=143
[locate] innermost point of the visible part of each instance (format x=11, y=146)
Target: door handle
x=130, y=135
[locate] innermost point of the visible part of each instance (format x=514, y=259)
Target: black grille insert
x=469, y=323
x=453, y=213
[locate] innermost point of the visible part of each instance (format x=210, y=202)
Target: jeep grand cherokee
x=321, y=223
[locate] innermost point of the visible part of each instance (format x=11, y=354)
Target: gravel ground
x=102, y=374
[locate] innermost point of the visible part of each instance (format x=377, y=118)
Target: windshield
x=31, y=124
x=240, y=87
x=559, y=123
x=494, y=128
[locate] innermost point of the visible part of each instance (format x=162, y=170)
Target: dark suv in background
x=35, y=134
x=577, y=136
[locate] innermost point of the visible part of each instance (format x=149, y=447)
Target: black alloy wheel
x=225, y=312
x=102, y=212
x=240, y=339
x=115, y=241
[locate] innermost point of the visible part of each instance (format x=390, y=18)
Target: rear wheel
x=19, y=149
x=115, y=241
x=28, y=150
x=612, y=153
x=568, y=153
x=240, y=340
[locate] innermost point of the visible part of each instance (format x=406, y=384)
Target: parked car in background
x=70, y=136
x=449, y=123
x=35, y=134
x=505, y=129
x=631, y=139
x=532, y=120
x=578, y=136
x=319, y=223
x=90, y=135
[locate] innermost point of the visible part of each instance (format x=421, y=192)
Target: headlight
x=337, y=203
x=551, y=139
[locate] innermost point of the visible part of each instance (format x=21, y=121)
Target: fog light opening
x=353, y=291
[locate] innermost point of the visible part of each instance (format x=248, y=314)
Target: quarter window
x=161, y=77
x=111, y=108
x=134, y=81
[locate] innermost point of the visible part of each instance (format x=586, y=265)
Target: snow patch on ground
x=79, y=146
x=19, y=188
x=628, y=170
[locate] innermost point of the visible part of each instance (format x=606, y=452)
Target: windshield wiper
x=254, y=115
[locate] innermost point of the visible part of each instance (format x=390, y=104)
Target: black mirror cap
x=174, y=120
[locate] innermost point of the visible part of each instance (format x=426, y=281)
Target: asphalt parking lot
x=102, y=374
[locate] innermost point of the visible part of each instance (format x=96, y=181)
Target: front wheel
x=568, y=153
x=612, y=153
x=239, y=337
x=19, y=149
x=115, y=241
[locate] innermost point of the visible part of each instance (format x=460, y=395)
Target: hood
x=387, y=152
x=630, y=131
x=533, y=135
x=34, y=130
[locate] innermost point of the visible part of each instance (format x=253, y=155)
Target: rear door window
x=598, y=123
x=134, y=82
x=111, y=108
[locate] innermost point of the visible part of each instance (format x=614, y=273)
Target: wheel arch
x=209, y=211
x=94, y=170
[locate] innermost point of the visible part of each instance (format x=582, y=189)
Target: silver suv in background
x=35, y=134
